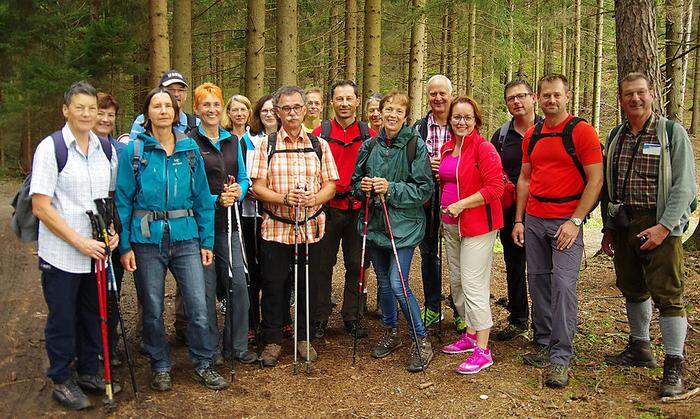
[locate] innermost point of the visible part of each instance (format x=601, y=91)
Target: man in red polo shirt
x=559, y=183
x=344, y=134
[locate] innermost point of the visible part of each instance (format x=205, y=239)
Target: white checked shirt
x=83, y=179
x=437, y=135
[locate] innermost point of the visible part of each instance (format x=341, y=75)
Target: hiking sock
x=673, y=331
x=639, y=317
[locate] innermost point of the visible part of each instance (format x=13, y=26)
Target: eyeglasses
x=267, y=111
x=288, y=109
x=176, y=90
x=457, y=118
x=519, y=96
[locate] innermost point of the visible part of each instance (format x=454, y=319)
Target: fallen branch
x=683, y=396
x=423, y=386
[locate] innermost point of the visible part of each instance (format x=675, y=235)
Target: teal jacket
x=409, y=188
x=676, y=188
x=164, y=183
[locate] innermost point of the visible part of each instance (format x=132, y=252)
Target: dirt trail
x=373, y=387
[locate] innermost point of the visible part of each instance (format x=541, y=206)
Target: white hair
x=440, y=77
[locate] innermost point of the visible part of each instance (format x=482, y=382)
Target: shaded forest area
x=253, y=46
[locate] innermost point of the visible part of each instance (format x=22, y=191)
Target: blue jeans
x=184, y=261
x=391, y=290
x=237, y=304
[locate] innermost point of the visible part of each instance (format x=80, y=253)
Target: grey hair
x=439, y=77
x=288, y=91
x=375, y=97
x=78, y=88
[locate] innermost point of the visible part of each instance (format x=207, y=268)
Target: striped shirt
x=437, y=136
x=285, y=171
x=72, y=192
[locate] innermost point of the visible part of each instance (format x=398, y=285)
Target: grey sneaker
x=209, y=378
x=509, y=333
x=387, y=344
x=301, y=349
x=539, y=359
x=557, y=376
x=270, y=355
x=421, y=355
x=160, y=381
x=637, y=353
x=70, y=396
x=96, y=384
x=247, y=357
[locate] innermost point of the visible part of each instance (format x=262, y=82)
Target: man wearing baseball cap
x=176, y=84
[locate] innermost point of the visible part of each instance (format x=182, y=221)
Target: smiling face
x=314, y=105
x=519, y=100
x=636, y=98
x=291, y=111
x=238, y=113
x=209, y=110
x=439, y=96
x=344, y=102
x=553, y=97
x=81, y=113
x=463, y=119
x=106, y=119
x=267, y=116
x=394, y=116
x=161, y=112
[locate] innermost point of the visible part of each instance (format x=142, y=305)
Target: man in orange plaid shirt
x=293, y=173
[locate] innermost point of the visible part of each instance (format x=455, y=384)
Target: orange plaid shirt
x=284, y=172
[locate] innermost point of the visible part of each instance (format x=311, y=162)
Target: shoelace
x=671, y=375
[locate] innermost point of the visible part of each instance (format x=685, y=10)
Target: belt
x=287, y=220
x=149, y=216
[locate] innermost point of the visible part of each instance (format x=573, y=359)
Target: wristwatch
x=577, y=221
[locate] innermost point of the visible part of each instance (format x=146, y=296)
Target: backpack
x=326, y=133
x=24, y=222
x=272, y=148
x=137, y=161
x=191, y=123
x=509, y=189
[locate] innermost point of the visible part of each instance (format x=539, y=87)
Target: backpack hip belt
x=560, y=200
x=289, y=221
x=150, y=216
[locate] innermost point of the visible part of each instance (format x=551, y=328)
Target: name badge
x=651, y=149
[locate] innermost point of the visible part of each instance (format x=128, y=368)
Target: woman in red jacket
x=472, y=184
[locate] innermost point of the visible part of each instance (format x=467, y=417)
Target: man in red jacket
x=560, y=180
x=345, y=135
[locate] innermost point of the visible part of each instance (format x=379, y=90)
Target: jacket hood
x=401, y=139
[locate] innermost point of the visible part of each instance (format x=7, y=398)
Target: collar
x=431, y=121
x=69, y=138
x=223, y=134
x=303, y=136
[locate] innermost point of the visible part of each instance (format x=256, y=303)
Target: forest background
x=252, y=47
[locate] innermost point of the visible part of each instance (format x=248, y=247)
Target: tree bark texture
x=687, y=35
x=471, y=54
x=333, y=53
x=695, y=122
x=538, y=41
x=453, y=37
x=674, y=67
x=373, y=43
x=511, y=40
x=417, y=60
x=287, y=43
x=350, y=39
x=182, y=41
x=598, y=65
x=576, y=82
x=159, y=53
x=255, y=50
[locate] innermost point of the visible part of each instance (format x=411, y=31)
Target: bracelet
x=286, y=201
x=518, y=222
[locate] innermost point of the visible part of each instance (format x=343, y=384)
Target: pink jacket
x=479, y=169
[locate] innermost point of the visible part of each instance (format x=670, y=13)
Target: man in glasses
x=508, y=140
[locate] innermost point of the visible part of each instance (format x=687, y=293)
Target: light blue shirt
x=137, y=127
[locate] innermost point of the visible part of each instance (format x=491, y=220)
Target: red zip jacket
x=345, y=158
x=478, y=170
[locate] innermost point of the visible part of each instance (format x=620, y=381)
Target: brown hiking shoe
x=301, y=349
x=270, y=355
x=672, y=381
x=637, y=353
x=421, y=355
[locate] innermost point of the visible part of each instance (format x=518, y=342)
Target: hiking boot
x=320, y=329
x=460, y=324
x=210, y=379
x=477, y=361
x=387, y=344
x=301, y=349
x=70, y=396
x=509, y=333
x=270, y=355
x=430, y=317
x=95, y=384
x=247, y=357
x=160, y=380
x=557, y=376
x=465, y=343
x=539, y=359
x=637, y=353
x=672, y=381
x=421, y=355
x=361, y=331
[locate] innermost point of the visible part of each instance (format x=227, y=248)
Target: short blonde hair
x=226, y=122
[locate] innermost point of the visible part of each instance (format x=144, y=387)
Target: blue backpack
x=24, y=222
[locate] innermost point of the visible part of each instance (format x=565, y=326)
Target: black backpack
x=272, y=148
x=24, y=222
x=326, y=133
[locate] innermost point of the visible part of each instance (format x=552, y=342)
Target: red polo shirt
x=345, y=157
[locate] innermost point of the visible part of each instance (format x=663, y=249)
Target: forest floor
x=371, y=388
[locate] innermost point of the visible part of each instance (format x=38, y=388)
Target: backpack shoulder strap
x=567, y=139
x=669, y=131
x=136, y=159
x=411, y=147
x=191, y=123
x=271, y=146
x=316, y=145
x=325, y=128
x=502, y=134
x=60, y=149
x=364, y=130
x=536, y=135
x=106, y=147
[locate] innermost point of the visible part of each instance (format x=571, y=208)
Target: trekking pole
x=237, y=212
x=229, y=294
x=296, y=284
x=102, y=308
x=306, y=285
x=361, y=282
x=439, y=273
x=402, y=279
x=112, y=286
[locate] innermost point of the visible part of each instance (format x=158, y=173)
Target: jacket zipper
x=459, y=194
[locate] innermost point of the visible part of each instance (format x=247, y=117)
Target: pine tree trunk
x=182, y=41
x=350, y=39
x=511, y=39
x=564, y=45
x=635, y=34
x=538, y=41
x=695, y=124
x=687, y=34
x=576, y=82
x=416, y=61
x=333, y=53
x=360, y=49
x=489, y=80
x=255, y=50
x=373, y=44
x=674, y=67
x=453, y=57
x=598, y=65
x=287, y=43
x=548, y=53
x=471, y=54
x=159, y=53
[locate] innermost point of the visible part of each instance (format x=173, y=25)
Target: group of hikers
x=248, y=205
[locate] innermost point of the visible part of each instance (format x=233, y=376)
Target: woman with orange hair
x=228, y=182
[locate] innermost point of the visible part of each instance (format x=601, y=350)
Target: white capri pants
x=470, y=260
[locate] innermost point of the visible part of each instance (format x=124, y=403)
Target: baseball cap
x=172, y=77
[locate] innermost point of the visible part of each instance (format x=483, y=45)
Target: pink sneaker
x=465, y=343
x=477, y=361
